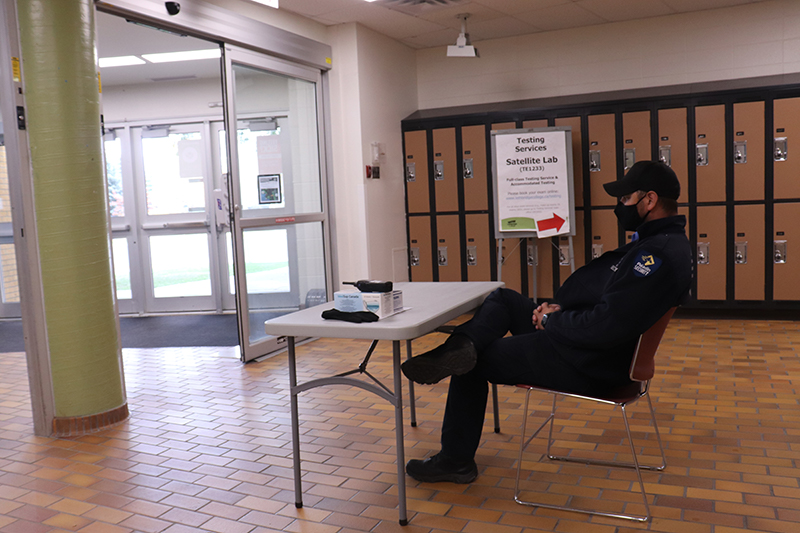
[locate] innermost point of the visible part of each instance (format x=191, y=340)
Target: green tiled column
x=63, y=113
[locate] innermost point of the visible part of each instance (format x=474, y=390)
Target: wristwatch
x=543, y=320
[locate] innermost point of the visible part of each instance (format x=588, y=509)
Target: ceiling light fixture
x=462, y=48
x=119, y=61
x=190, y=55
x=270, y=3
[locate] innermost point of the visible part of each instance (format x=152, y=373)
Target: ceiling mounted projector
x=462, y=48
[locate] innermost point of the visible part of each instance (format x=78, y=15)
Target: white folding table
x=428, y=306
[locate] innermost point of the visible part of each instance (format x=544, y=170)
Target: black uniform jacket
x=608, y=303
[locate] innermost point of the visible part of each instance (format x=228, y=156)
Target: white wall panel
x=729, y=43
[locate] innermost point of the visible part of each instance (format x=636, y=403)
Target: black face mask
x=628, y=215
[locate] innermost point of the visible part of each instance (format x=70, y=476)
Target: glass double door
x=227, y=213
x=170, y=254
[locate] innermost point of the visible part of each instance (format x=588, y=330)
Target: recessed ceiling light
x=191, y=55
x=270, y=3
x=119, y=61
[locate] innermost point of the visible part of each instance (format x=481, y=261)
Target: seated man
x=582, y=343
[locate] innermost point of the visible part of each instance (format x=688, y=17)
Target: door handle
x=177, y=225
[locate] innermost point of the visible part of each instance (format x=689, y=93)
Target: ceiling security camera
x=173, y=8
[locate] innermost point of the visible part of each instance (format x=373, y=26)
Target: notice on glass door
x=533, y=182
x=269, y=189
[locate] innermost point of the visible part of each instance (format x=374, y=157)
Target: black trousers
x=527, y=357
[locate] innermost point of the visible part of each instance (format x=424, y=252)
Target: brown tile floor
x=207, y=448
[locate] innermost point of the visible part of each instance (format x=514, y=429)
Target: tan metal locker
x=748, y=151
x=510, y=273
x=541, y=123
x=478, y=254
x=577, y=155
x=685, y=212
x=602, y=157
x=419, y=234
x=710, y=153
x=578, y=245
x=786, y=252
x=504, y=126
x=636, y=138
x=445, y=170
x=672, y=145
x=473, y=168
x=604, y=232
x=786, y=148
x=448, y=246
x=748, y=249
x=544, y=267
x=417, y=172
x=711, y=255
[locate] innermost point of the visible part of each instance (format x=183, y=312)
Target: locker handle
x=779, y=252
x=472, y=255
x=442, y=256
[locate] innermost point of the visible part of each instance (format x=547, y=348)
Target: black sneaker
x=438, y=468
x=456, y=356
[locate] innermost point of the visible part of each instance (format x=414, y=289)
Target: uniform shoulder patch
x=646, y=264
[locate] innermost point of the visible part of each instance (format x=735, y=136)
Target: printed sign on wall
x=533, y=182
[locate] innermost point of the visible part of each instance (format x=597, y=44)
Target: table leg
x=298, y=488
x=412, y=399
x=398, y=421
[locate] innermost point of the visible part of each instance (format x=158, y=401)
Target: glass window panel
x=229, y=247
x=266, y=261
x=278, y=149
x=180, y=265
x=122, y=268
x=5, y=196
x=8, y=274
x=116, y=199
x=285, y=268
x=173, y=169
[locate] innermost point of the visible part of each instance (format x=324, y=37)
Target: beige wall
x=388, y=89
x=731, y=43
x=373, y=87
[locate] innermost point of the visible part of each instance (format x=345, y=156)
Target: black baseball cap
x=647, y=176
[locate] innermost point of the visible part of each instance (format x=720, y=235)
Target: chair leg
x=635, y=464
x=550, y=436
x=658, y=437
x=495, y=408
x=523, y=443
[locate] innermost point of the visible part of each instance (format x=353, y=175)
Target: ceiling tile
x=499, y=28
x=618, y=10
x=684, y=6
x=512, y=7
x=561, y=17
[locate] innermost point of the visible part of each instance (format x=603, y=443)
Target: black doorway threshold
x=150, y=332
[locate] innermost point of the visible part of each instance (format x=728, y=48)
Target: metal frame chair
x=642, y=370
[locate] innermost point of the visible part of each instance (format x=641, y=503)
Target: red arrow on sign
x=550, y=223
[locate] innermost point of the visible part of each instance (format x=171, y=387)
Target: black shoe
x=456, y=356
x=438, y=468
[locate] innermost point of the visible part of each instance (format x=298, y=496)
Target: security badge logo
x=646, y=265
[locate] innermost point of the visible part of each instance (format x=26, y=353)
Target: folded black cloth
x=357, y=317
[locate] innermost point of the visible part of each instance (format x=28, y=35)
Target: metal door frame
x=247, y=58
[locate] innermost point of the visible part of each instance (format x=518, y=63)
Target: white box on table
x=382, y=304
